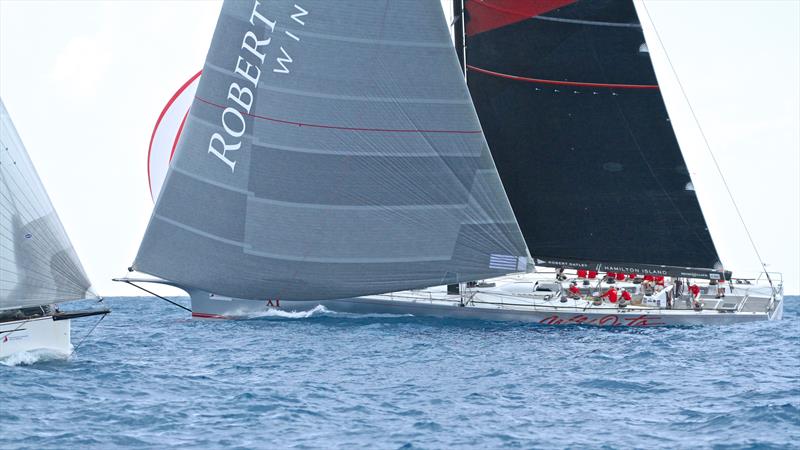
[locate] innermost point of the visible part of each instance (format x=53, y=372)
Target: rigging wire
x=708, y=146
x=75, y=348
x=153, y=293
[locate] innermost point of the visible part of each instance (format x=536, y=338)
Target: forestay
x=332, y=150
x=572, y=111
x=38, y=264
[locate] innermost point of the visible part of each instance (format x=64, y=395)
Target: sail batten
x=331, y=150
x=38, y=265
x=573, y=113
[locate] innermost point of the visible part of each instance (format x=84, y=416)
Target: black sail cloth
x=571, y=108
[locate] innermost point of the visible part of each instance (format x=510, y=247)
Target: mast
x=459, y=30
x=458, y=41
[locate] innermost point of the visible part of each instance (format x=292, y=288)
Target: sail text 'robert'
x=240, y=97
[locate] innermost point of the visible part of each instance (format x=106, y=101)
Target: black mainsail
x=570, y=105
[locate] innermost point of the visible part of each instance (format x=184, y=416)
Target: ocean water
x=149, y=377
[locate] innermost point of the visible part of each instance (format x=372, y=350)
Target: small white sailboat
x=38, y=266
x=322, y=164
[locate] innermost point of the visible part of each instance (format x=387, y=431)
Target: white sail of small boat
x=38, y=267
x=320, y=162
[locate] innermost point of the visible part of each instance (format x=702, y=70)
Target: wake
x=27, y=358
x=322, y=311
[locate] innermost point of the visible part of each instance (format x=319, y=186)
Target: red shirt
x=612, y=295
x=694, y=289
x=611, y=274
x=592, y=274
x=574, y=290
x=648, y=278
x=626, y=296
x=631, y=275
x=620, y=276
x=581, y=273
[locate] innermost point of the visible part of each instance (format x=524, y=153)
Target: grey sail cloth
x=38, y=264
x=349, y=162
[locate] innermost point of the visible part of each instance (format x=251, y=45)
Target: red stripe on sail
x=486, y=15
x=561, y=83
x=337, y=127
x=178, y=135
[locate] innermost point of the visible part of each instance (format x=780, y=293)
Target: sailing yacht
x=38, y=267
x=329, y=165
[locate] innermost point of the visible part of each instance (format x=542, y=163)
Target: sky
x=85, y=81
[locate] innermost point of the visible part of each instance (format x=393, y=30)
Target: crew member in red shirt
x=611, y=294
x=592, y=274
x=574, y=292
x=620, y=276
x=626, y=297
x=694, y=289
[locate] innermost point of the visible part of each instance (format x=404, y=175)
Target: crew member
x=647, y=285
x=694, y=289
x=611, y=293
x=626, y=297
x=574, y=292
x=721, y=289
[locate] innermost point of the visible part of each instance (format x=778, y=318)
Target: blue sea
x=150, y=377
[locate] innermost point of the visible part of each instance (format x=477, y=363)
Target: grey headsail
x=332, y=150
x=38, y=264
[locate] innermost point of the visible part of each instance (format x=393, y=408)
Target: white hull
x=36, y=334
x=512, y=300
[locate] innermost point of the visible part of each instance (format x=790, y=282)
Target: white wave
x=321, y=310
x=318, y=310
x=27, y=358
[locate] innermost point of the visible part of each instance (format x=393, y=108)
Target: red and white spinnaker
x=167, y=132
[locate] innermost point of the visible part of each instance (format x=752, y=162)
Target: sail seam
x=211, y=182
x=332, y=37
x=357, y=207
x=248, y=249
x=589, y=22
x=260, y=145
x=200, y=232
x=359, y=98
